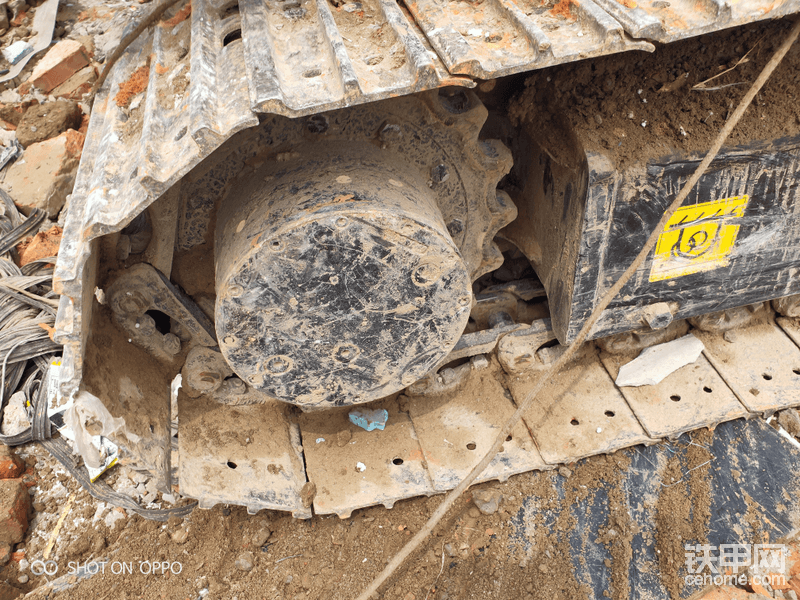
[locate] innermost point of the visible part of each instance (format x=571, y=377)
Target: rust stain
x=563, y=8
x=628, y=3
x=161, y=69
x=180, y=16
x=49, y=329
x=416, y=455
x=135, y=84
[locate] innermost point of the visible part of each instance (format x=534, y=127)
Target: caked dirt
x=636, y=106
x=521, y=551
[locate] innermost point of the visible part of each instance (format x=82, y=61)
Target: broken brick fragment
x=78, y=85
x=180, y=16
x=17, y=21
x=45, y=174
x=11, y=466
x=60, y=63
x=14, y=505
x=135, y=84
x=42, y=245
x=757, y=588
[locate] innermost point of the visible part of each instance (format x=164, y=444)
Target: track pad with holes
x=580, y=412
x=691, y=397
x=246, y=455
x=456, y=429
x=760, y=364
x=353, y=468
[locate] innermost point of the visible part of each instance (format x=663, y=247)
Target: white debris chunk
x=17, y=51
x=112, y=518
x=656, y=362
x=15, y=418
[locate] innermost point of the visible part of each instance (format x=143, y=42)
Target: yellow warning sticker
x=698, y=238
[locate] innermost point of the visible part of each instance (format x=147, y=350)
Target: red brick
x=11, y=466
x=14, y=505
x=20, y=17
x=60, y=63
x=76, y=86
x=29, y=478
x=41, y=245
x=759, y=589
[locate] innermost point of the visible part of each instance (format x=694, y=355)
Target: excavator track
x=432, y=439
x=224, y=102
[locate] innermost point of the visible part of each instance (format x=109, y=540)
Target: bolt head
x=172, y=344
x=440, y=173
x=390, y=132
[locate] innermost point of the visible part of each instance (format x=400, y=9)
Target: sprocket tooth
x=492, y=259
x=458, y=108
x=503, y=211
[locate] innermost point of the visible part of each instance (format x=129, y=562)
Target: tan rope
x=450, y=499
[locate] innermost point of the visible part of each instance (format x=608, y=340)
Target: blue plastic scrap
x=369, y=419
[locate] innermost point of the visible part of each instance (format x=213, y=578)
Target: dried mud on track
x=637, y=106
x=525, y=550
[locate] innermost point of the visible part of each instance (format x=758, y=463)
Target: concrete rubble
x=15, y=417
x=657, y=362
x=45, y=108
x=487, y=501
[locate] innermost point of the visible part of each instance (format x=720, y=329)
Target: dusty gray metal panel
x=678, y=19
x=494, y=38
x=307, y=57
x=219, y=87
x=246, y=455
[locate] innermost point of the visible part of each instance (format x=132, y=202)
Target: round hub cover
x=343, y=306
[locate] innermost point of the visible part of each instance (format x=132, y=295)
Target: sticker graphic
x=697, y=238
